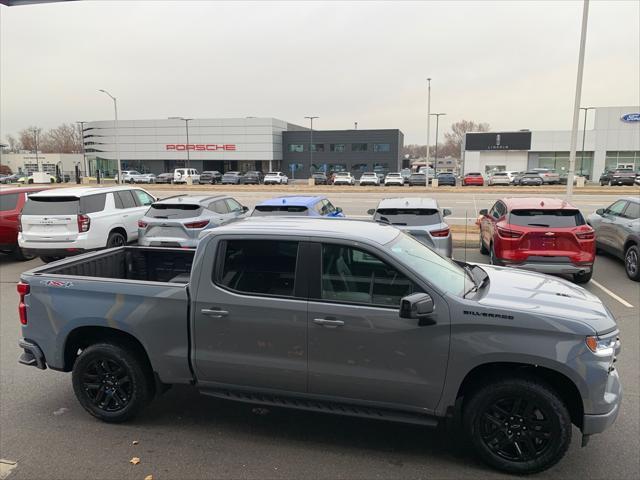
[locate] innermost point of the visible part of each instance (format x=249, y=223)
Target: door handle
x=213, y=313
x=327, y=322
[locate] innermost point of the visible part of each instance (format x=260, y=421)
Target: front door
x=250, y=317
x=359, y=347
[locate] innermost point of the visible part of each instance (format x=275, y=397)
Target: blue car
x=301, y=205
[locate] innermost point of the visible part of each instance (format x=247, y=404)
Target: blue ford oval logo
x=631, y=117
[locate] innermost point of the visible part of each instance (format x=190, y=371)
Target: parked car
x=419, y=217
x=180, y=175
x=13, y=178
x=144, y=178
x=381, y=172
x=517, y=176
x=276, y=178
x=164, y=178
x=29, y=180
x=531, y=178
x=418, y=179
x=320, y=178
x=473, y=178
x=617, y=230
x=252, y=178
x=406, y=173
x=298, y=205
x=178, y=221
x=231, y=178
x=370, y=178
x=344, y=317
x=548, y=176
x=446, y=179
x=62, y=222
x=344, y=178
x=127, y=175
x=619, y=176
x=499, y=178
x=394, y=179
x=12, y=199
x=546, y=235
x=210, y=176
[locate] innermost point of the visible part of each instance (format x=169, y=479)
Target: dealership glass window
x=359, y=167
x=337, y=167
x=317, y=147
x=337, y=147
x=358, y=147
x=559, y=161
x=381, y=147
x=615, y=160
x=489, y=169
x=296, y=147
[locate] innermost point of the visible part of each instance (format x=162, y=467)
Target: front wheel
x=111, y=383
x=583, y=277
x=518, y=425
x=632, y=262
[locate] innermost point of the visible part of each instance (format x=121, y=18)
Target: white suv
x=275, y=178
x=370, y=178
x=180, y=175
x=344, y=178
x=62, y=222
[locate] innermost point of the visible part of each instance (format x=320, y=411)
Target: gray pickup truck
x=338, y=316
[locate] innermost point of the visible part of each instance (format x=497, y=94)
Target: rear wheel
x=21, y=256
x=518, y=425
x=116, y=239
x=492, y=255
x=632, y=262
x=584, y=277
x=111, y=383
x=483, y=247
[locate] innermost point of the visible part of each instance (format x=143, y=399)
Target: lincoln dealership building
x=243, y=144
x=613, y=142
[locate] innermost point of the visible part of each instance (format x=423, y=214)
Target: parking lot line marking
x=611, y=294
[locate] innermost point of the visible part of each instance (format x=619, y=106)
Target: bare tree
x=28, y=138
x=13, y=144
x=62, y=139
x=453, y=139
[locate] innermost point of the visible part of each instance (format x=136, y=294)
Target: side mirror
x=446, y=212
x=484, y=212
x=416, y=306
x=245, y=209
x=338, y=209
x=600, y=211
x=371, y=211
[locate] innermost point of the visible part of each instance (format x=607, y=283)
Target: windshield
x=268, y=210
x=437, y=270
x=409, y=216
x=174, y=210
x=546, y=218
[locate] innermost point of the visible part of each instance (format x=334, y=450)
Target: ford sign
x=631, y=117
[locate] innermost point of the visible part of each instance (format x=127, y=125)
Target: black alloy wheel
x=632, y=262
x=116, y=239
x=107, y=384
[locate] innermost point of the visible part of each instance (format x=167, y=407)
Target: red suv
x=11, y=202
x=546, y=235
x=473, y=178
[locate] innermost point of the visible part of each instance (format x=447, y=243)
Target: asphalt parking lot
x=185, y=435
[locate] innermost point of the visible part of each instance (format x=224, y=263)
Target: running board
x=323, y=406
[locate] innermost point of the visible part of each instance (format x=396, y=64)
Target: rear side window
x=259, y=267
x=632, y=211
x=92, y=203
x=174, y=210
x=409, y=216
x=233, y=205
x=8, y=201
x=219, y=206
x=546, y=218
x=51, y=206
x=266, y=210
x=124, y=199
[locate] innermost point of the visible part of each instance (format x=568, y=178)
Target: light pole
x=428, y=127
x=435, y=167
x=584, y=134
x=115, y=110
x=84, y=154
x=35, y=140
x=311, y=143
x=186, y=125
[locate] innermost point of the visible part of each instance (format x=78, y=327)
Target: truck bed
x=129, y=263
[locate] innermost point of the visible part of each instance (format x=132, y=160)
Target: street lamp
x=186, y=124
x=428, y=128
x=84, y=154
x=35, y=141
x=115, y=109
x=311, y=143
x=584, y=134
x=435, y=168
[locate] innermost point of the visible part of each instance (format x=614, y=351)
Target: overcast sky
x=512, y=64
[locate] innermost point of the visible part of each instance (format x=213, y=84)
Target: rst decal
x=56, y=283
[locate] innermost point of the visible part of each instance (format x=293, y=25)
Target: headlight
x=603, y=347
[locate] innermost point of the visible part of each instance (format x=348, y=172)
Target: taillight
x=84, y=223
x=588, y=235
x=23, y=289
x=142, y=224
x=200, y=224
x=506, y=233
x=20, y=222
x=440, y=233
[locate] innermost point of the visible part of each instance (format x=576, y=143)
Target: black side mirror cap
x=600, y=211
x=371, y=211
x=446, y=212
x=416, y=306
x=339, y=209
x=245, y=209
x=484, y=212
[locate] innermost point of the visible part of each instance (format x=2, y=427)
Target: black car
x=418, y=179
x=619, y=176
x=446, y=179
x=211, y=177
x=319, y=178
x=531, y=178
x=164, y=178
x=252, y=178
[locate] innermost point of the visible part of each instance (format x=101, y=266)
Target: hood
x=539, y=294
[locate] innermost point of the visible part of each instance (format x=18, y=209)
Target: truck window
x=259, y=267
x=8, y=202
x=355, y=276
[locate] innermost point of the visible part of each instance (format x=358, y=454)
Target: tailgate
x=552, y=243
x=49, y=228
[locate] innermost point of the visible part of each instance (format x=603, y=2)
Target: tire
x=116, y=239
x=49, y=259
x=121, y=381
x=582, y=277
x=492, y=256
x=602, y=184
x=505, y=412
x=483, y=248
x=632, y=262
x=21, y=256
x=611, y=183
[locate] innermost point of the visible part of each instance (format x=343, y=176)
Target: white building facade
x=27, y=163
x=613, y=142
